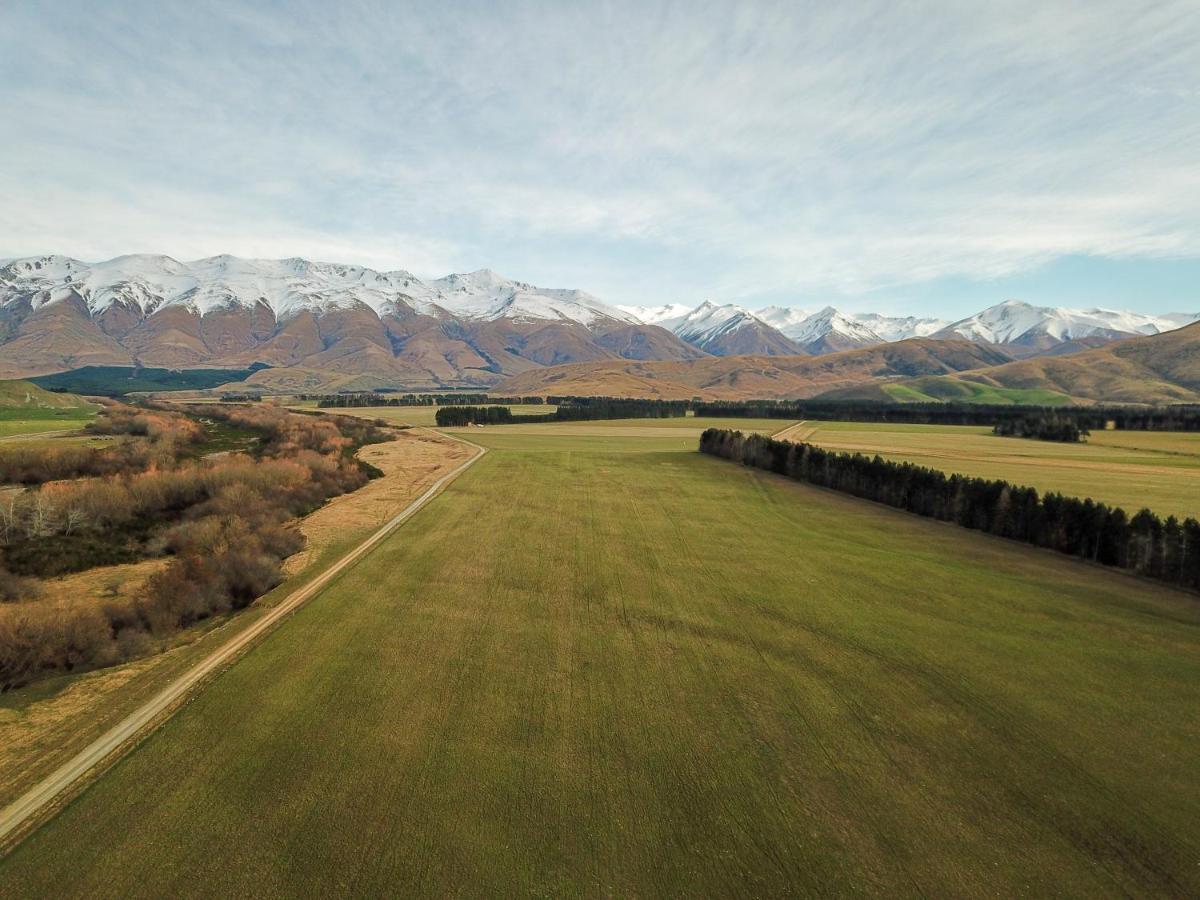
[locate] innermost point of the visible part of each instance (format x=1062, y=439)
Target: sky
x=917, y=158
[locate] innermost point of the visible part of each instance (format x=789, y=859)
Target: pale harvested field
x=613, y=436
x=1130, y=469
x=46, y=723
x=411, y=463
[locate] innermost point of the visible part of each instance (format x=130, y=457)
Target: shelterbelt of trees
x=1164, y=418
x=225, y=523
x=1051, y=427
x=1166, y=550
x=353, y=401
x=579, y=410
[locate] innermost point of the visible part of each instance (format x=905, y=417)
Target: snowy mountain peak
x=657, y=315
x=726, y=329
x=1014, y=321
x=829, y=321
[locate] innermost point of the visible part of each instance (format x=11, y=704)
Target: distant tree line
x=569, y=410
x=458, y=416
x=1168, y=550
x=351, y=401
x=1182, y=417
x=1049, y=427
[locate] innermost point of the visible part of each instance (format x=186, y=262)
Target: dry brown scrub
x=226, y=524
x=154, y=438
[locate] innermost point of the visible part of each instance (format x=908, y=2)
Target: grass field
x=1131, y=469
x=603, y=664
x=27, y=420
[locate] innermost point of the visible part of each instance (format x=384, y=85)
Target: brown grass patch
x=409, y=464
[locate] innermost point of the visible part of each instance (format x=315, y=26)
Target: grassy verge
x=628, y=669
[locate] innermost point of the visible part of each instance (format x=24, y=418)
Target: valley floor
x=603, y=664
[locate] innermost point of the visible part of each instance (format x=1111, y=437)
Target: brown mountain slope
x=1160, y=368
x=743, y=377
x=753, y=339
x=53, y=338
x=403, y=347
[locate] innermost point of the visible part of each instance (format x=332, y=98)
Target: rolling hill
x=744, y=377
x=1160, y=368
x=24, y=395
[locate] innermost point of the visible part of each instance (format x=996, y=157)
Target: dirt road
x=24, y=811
x=797, y=431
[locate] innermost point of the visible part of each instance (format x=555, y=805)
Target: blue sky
x=906, y=157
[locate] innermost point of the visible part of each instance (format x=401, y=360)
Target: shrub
x=224, y=522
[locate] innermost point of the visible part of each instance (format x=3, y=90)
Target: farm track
x=797, y=431
x=26, y=811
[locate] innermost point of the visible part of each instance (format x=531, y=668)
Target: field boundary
x=42, y=800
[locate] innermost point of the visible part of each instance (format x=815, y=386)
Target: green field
x=1131, y=469
x=21, y=421
x=602, y=664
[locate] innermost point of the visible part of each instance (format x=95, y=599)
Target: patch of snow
x=830, y=321
x=656, y=315
x=898, y=328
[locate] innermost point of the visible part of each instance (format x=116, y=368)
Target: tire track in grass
x=702, y=665
x=1005, y=728
x=848, y=783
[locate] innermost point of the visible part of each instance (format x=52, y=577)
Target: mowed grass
x=26, y=420
x=643, y=672
x=1130, y=469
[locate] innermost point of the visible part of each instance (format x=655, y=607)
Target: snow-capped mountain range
x=464, y=329
x=391, y=328
x=288, y=286
x=1021, y=328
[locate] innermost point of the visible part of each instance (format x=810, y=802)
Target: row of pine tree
x=1168, y=549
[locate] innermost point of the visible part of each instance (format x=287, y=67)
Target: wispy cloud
x=646, y=153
